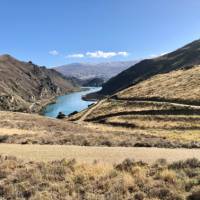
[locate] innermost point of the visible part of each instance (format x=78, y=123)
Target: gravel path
x=89, y=154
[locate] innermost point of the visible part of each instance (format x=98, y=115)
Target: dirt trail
x=109, y=155
x=90, y=110
x=161, y=102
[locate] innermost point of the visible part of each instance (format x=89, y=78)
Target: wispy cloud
x=123, y=53
x=103, y=54
x=94, y=54
x=54, y=53
x=78, y=55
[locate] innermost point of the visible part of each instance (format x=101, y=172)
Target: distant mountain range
x=89, y=71
x=185, y=56
x=25, y=86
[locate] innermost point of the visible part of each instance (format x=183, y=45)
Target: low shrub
x=129, y=180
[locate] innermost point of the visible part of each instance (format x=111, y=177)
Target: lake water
x=70, y=102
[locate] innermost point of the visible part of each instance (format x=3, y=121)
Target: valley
x=151, y=125
x=165, y=106
x=100, y=100
x=69, y=103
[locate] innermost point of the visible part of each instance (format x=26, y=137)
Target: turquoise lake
x=70, y=102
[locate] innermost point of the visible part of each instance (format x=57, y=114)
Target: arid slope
x=26, y=86
x=177, y=86
x=166, y=105
x=186, y=56
x=22, y=128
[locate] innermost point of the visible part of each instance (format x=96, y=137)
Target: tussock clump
x=189, y=163
x=129, y=180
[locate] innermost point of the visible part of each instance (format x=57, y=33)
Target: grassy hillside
x=22, y=128
x=166, y=105
x=185, y=56
x=26, y=86
x=177, y=86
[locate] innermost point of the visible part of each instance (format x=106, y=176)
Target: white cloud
x=54, y=53
x=123, y=53
x=103, y=54
x=100, y=54
x=78, y=55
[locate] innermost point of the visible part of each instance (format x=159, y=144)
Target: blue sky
x=55, y=32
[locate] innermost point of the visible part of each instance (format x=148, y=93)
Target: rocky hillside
x=185, y=56
x=86, y=71
x=27, y=87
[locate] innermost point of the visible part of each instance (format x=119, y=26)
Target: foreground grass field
x=69, y=180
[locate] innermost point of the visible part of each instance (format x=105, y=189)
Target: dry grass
x=70, y=180
x=172, y=122
x=164, y=106
x=15, y=128
x=178, y=85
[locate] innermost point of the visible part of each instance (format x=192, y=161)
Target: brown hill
x=26, y=87
x=180, y=86
x=185, y=56
x=166, y=105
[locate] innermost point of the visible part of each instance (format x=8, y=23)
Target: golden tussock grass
x=128, y=180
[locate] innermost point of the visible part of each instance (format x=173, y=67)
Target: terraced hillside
x=166, y=105
x=21, y=128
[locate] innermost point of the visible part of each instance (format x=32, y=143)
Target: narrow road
x=90, y=110
x=109, y=155
x=161, y=102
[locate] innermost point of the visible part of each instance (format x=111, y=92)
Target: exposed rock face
x=26, y=87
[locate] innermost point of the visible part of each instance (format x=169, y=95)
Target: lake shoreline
x=68, y=103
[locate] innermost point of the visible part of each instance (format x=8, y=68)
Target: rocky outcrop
x=25, y=86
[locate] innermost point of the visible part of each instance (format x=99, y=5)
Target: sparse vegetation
x=64, y=179
x=181, y=86
x=26, y=87
x=164, y=108
x=15, y=128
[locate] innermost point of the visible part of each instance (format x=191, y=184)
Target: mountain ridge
x=185, y=56
x=87, y=70
x=24, y=85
